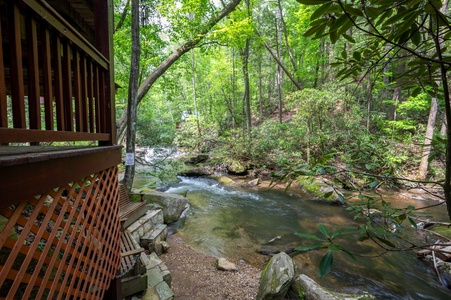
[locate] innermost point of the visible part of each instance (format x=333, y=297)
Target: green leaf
x=326, y=264
x=333, y=247
x=348, y=37
x=320, y=11
x=353, y=11
x=317, y=29
x=401, y=218
x=338, y=23
x=333, y=36
x=363, y=238
x=372, y=12
x=313, y=2
x=348, y=253
x=308, y=247
x=416, y=36
x=328, y=194
x=412, y=222
x=309, y=236
x=386, y=242
x=341, y=197
x=335, y=234
x=373, y=184
x=357, y=56
x=323, y=230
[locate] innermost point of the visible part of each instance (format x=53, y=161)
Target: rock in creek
x=309, y=289
x=223, y=264
x=276, y=278
x=172, y=205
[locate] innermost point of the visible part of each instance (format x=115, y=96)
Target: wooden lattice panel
x=64, y=244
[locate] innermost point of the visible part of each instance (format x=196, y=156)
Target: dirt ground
x=194, y=275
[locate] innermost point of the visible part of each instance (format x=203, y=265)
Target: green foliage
x=379, y=222
x=328, y=242
x=188, y=135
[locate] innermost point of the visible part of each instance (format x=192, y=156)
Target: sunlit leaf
x=323, y=230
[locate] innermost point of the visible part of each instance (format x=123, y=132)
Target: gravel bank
x=194, y=275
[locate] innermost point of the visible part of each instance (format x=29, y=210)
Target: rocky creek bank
x=197, y=275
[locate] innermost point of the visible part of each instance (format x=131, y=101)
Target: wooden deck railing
x=54, y=84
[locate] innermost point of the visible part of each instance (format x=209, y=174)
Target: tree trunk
x=171, y=59
x=196, y=112
x=287, y=45
x=279, y=73
x=423, y=169
x=424, y=164
x=260, y=88
x=132, y=96
x=247, y=101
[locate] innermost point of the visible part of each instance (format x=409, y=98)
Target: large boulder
x=306, y=288
x=236, y=168
x=172, y=205
x=196, y=172
x=319, y=190
x=276, y=278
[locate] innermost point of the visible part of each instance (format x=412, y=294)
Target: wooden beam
x=67, y=87
x=52, y=17
x=84, y=94
x=77, y=92
x=58, y=83
x=3, y=102
x=17, y=85
x=25, y=180
x=104, y=24
x=34, y=105
x=47, y=78
x=9, y=135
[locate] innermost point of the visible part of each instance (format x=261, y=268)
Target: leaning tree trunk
x=132, y=96
x=171, y=59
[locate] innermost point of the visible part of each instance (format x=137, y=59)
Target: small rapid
x=237, y=222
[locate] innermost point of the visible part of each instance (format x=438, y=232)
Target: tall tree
x=399, y=24
x=137, y=94
x=247, y=93
x=132, y=96
x=174, y=56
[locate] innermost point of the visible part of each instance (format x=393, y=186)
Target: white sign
x=129, y=159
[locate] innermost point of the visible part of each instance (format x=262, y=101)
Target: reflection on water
x=236, y=223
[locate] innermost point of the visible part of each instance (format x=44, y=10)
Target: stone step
x=159, y=277
x=155, y=240
x=146, y=223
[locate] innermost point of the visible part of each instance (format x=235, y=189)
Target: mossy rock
x=235, y=167
x=443, y=230
x=319, y=190
x=223, y=179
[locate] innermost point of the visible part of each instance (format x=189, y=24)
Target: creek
x=236, y=222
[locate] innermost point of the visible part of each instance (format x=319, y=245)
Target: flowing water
x=237, y=222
